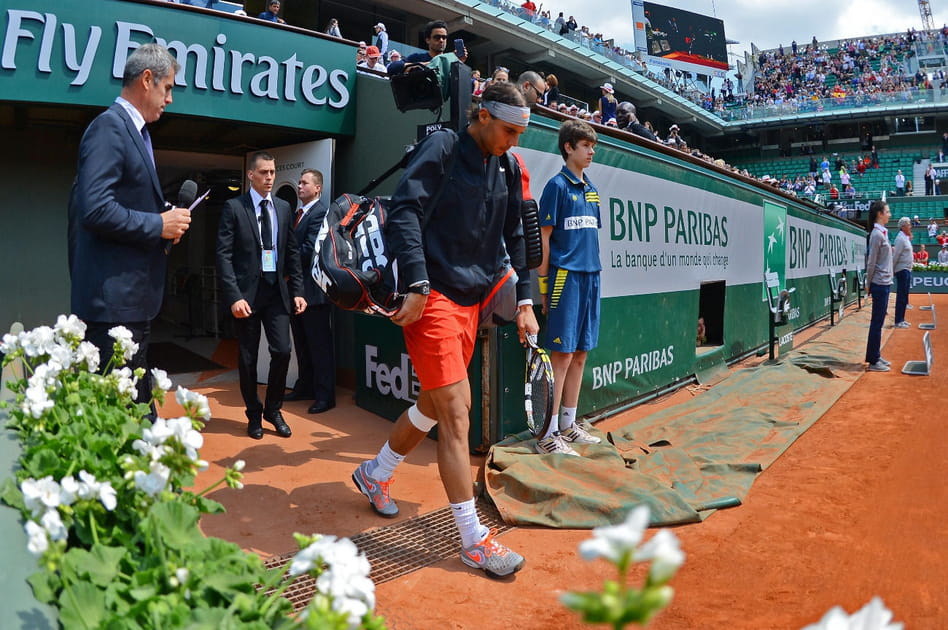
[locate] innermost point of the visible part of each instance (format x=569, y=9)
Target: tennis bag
x=351, y=265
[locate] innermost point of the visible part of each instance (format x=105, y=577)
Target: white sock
x=567, y=417
x=469, y=526
x=383, y=466
x=553, y=428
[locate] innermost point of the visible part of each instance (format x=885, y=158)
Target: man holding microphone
x=119, y=224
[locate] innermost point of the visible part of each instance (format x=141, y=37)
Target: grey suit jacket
x=239, y=248
x=117, y=264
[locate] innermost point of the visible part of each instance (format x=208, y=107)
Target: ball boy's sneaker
x=554, y=444
x=577, y=434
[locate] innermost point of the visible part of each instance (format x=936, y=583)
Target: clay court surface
x=856, y=507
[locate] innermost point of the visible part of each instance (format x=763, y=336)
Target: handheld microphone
x=186, y=196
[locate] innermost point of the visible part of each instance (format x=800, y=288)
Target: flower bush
x=932, y=266
x=103, y=494
x=619, y=604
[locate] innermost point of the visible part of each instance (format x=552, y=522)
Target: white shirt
x=256, y=198
x=136, y=115
x=305, y=208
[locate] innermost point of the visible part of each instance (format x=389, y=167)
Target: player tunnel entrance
x=710, y=333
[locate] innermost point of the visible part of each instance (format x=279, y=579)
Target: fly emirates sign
x=226, y=63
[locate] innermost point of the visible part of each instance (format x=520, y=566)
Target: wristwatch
x=422, y=288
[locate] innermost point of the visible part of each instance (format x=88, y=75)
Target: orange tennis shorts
x=441, y=343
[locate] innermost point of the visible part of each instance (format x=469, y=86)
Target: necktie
x=266, y=227
x=147, y=138
x=299, y=217
x=266, y=236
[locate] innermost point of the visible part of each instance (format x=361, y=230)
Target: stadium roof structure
x=492, y=28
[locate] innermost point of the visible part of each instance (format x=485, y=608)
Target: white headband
x=508, y=113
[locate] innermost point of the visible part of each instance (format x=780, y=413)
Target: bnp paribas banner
x=814, y=248
x=662, y=236
x=63, y=51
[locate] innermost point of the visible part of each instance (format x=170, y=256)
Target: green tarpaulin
x=686, y=460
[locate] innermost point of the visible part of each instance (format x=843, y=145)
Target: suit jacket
x=306, y=233
x=117, y=263
x=239, y=251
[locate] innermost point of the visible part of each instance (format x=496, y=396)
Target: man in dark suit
x=312, y=329
x=259, y=267
x=119, y=224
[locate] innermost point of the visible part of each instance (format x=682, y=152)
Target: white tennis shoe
x=578, y=434
x=554, y=444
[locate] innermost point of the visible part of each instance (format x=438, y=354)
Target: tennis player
x=569, y=282
x=449, y=265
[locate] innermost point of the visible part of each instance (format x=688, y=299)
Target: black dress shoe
x=320, y=406
x=295, y=395
x=254, y=428
x=276, y=419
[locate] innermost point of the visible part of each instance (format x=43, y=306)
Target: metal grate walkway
x=399, y=549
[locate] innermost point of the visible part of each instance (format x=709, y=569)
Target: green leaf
x=44, y=586
x=209, y=619
x=101, y=564
x=176, y=523
x=142, y=593
x=209, y=506
x=43, y=462
x=81, y=605
x=11, y=495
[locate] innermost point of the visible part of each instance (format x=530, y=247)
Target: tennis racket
x=538, y=387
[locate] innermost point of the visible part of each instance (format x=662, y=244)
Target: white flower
x=61, y=357
x=69, y=488
x=153, y=482
x=41, y=495
x=70, y=328
x=346, y=579
x=161, y=379
x=239, y=465
x=123, y=339
x=89, y=488
x=37, y=401
x=153, y=452
x=182, y=574
x=665, y=554
x=308, y=558
x=38, y=541
x=872, y=616
x=182, y=430
x=125, y=381
x=11, y=343
x=612, y=542
x=107, y=496
x=53, y=525
x=89, y=354
x=38, y=342
x=194, y=404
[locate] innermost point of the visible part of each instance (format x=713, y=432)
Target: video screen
x=685, y=36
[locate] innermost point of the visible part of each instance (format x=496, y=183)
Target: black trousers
x=98, y=334
x=270, y=313
x=315, y=354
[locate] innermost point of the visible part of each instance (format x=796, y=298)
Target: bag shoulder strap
x=402, y=163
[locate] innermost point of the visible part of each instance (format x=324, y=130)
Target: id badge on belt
x=268, y=260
